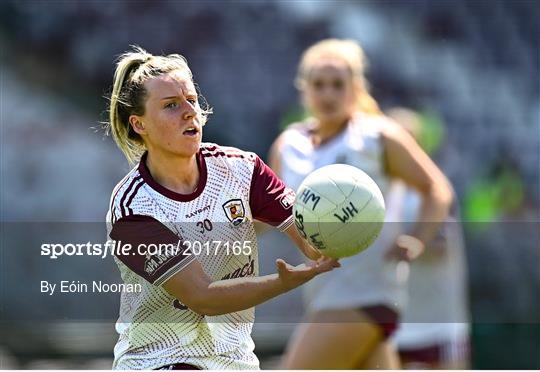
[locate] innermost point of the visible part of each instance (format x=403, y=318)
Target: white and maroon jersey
x=213, y=225
x=367, y=278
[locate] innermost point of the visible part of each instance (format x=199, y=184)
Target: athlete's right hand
x=294, y=276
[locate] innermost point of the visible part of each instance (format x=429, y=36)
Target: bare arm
x=189, y=283
x=294, y=236
x=407, y=161
x=196, y=289
x=274, y=158
x=301, y=244
x=274, y=162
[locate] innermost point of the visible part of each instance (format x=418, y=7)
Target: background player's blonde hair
x=128, y=95
x=348, y=51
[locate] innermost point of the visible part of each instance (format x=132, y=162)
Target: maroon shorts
x=437, y=353
x=429, y=354
x=385, y=317
x=177, y=366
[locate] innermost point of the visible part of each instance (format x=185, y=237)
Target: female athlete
x=353, y=311
x=182, y=220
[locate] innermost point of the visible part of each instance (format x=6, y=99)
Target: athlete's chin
x=188, y=148
x=332, y=116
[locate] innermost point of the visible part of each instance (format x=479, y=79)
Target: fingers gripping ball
x=339, y=210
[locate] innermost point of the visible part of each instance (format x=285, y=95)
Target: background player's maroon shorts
x=444, y=352
x=385, y=317
x=429, y=354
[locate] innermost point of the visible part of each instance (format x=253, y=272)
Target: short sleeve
x=270, y=199
x=149, y=248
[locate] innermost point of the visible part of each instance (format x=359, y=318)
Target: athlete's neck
x=325, y=131
x=178, y=174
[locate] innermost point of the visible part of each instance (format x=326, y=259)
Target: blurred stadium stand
x=475, y=63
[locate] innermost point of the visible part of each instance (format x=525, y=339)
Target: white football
x=339, y=210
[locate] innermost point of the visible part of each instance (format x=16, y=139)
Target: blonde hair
x=128, y=95
x=348, y=51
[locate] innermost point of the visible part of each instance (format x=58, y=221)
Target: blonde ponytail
x=129, y=142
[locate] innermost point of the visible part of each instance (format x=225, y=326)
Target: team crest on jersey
x=234, y=210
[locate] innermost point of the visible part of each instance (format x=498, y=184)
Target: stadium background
x=470, y=67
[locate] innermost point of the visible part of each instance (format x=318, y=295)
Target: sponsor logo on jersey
x=247, y=270
x=198, y=211
x=288, y=199
x=234, y=210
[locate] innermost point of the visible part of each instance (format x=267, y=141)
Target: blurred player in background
x=434, y=332
x=195, y=310
x=352, y=314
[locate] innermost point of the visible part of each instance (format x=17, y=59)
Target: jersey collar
x=147, y=177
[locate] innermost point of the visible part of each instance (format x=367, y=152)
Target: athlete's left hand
x=293, y=276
